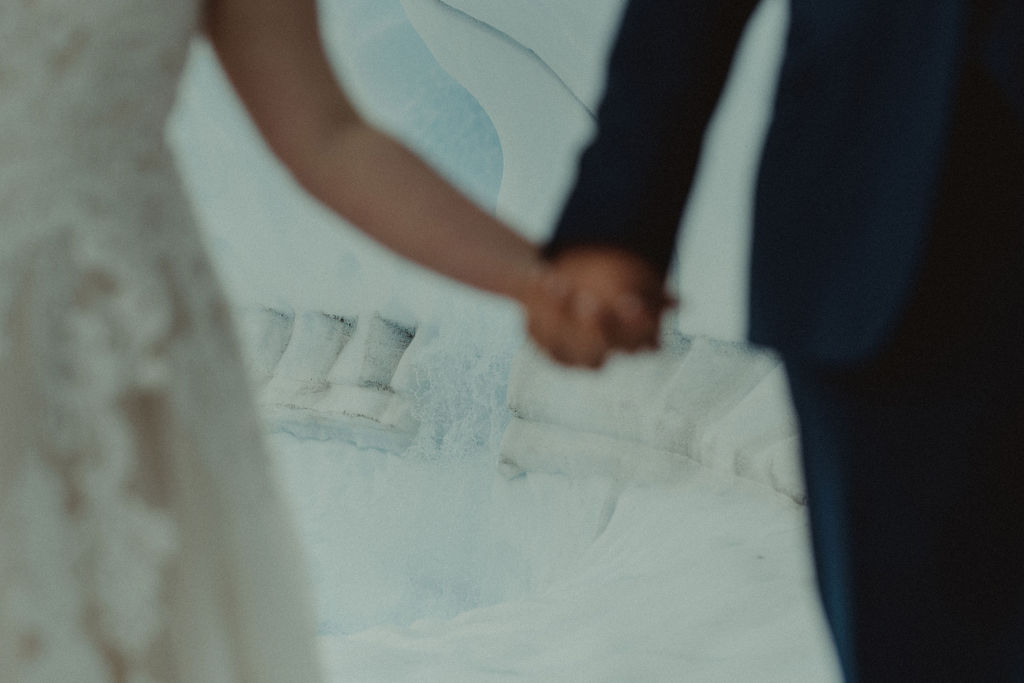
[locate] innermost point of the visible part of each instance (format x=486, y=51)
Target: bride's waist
x=76, y=146
x=96, y=156
x=59, y=187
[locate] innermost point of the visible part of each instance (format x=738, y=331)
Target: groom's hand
x=595, y=300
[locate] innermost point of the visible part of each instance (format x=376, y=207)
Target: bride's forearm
x=271, y=51
x=393, y=196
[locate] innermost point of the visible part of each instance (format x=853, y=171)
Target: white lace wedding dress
x=141, y=536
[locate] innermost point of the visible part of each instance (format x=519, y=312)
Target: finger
x=541, y=328
x=582, y=343
x=557, y=291
x=587, y=309
x=631, y=326
x=594, y=327
x=591, y=352
x=665, y=302
x=565, y=340
x=568, y=325
x=575, y=355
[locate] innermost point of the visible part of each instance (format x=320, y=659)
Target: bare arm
x=271, y=51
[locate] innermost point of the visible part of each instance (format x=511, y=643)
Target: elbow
x=328, y=164
x=312, y=149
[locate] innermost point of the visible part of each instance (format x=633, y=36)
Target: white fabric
x=141, y=534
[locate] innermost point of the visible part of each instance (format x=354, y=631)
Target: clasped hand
x=591, y=301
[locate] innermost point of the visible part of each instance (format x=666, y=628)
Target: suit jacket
x=850, y=165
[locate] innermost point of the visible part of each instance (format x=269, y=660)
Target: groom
x=888, y=272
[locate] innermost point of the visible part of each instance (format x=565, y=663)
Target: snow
x=646, y=417
x=547, y=578
x=471, y=513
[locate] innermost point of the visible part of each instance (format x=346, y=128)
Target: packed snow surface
x=428, y=561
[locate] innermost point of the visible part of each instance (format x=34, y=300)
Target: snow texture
x=471, y=512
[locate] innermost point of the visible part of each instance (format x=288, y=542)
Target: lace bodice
x=123, y=395
x=89, y=71
x=86, y=87
x=85, y=90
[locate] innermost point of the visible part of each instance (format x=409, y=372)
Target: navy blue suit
x=887, y=269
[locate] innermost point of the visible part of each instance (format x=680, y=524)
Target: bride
x=141, y=534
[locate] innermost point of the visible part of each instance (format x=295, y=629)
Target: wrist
x=532, y=280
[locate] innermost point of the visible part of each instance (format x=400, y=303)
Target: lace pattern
x=86, y=583
x=104, y=294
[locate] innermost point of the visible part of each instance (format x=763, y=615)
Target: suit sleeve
x=667, y=70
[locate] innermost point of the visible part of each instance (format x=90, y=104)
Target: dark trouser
x=916, y=495
x=914, y=461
